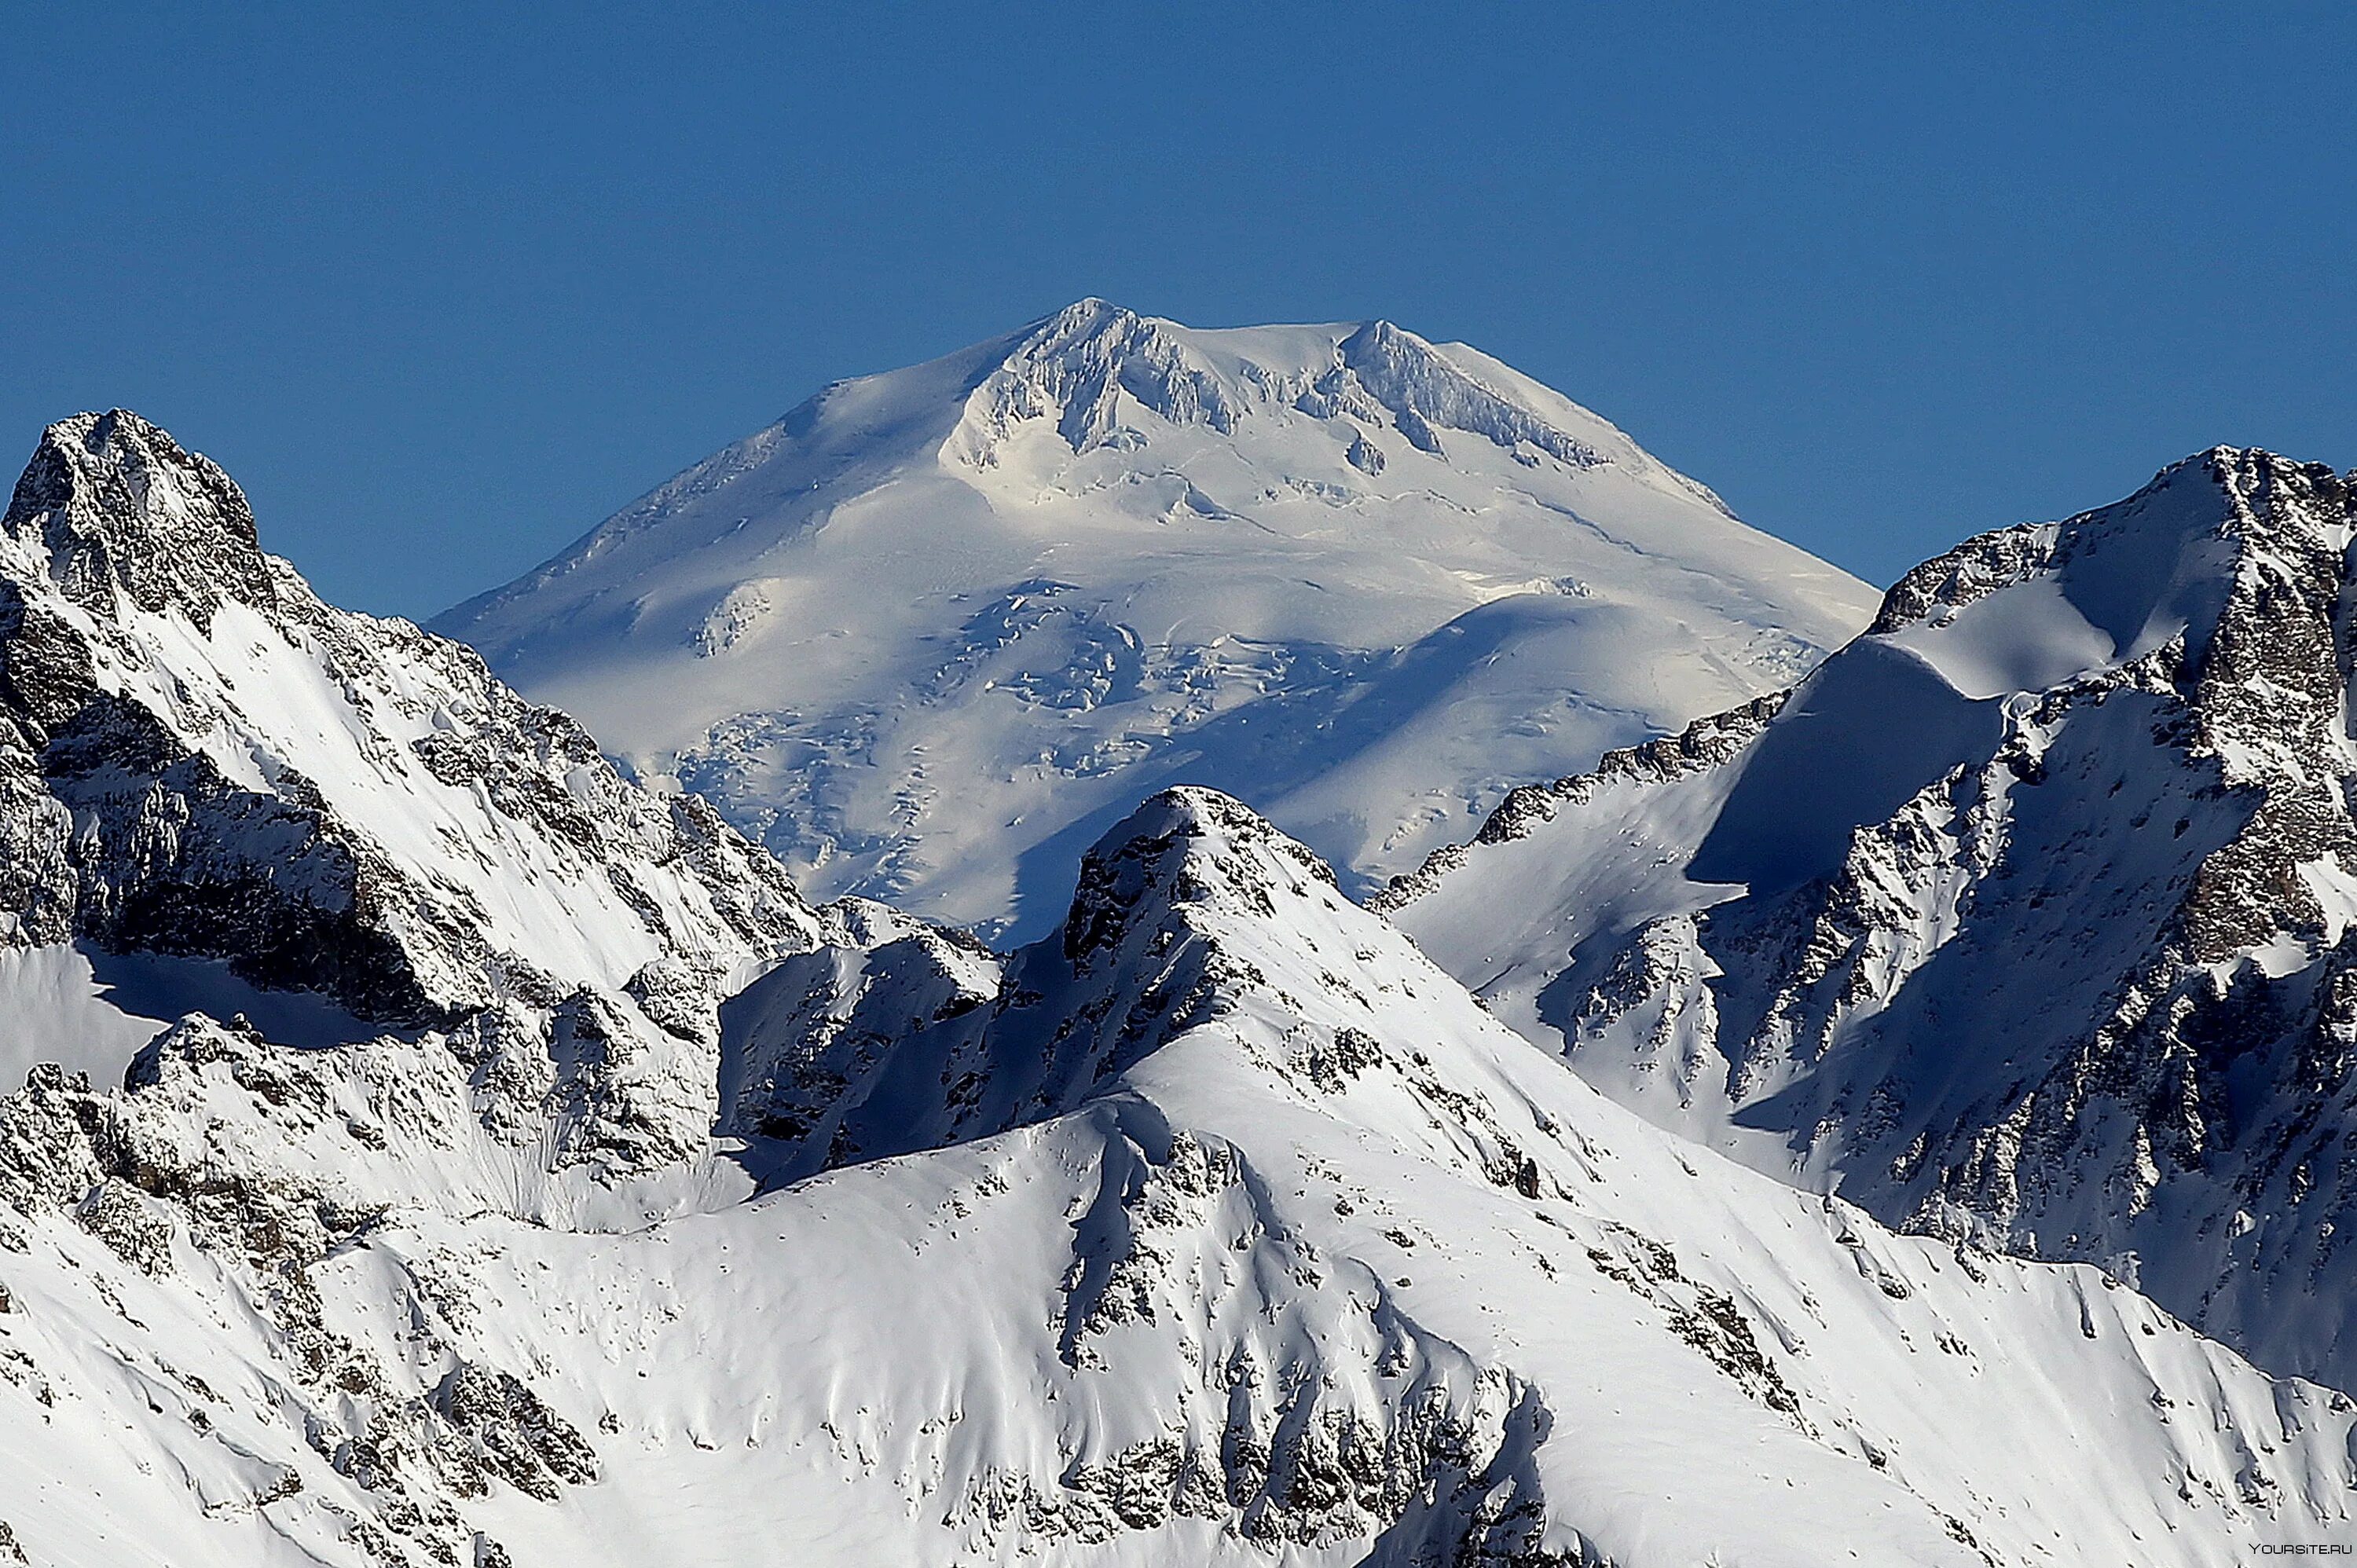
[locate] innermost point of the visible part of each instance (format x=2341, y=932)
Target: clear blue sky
x=444, y=288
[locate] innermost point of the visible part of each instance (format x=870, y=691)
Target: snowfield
x=930, y=633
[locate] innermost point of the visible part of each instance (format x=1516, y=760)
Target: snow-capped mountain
x=1222, y=1257
x=2028, y=915
x=218, y=792
x=1218, y=1227
x=930, y=633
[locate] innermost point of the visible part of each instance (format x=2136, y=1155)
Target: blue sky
x=443, y=289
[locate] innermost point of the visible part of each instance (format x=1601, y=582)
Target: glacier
x=932, y=632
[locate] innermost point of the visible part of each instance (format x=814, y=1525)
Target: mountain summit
x=933, y=630
x=2028, y=915
x=218, y=792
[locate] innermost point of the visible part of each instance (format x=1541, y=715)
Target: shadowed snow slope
x=2028, y=915
x=933, y=630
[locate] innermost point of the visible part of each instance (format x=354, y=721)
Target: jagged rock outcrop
x=2026, y=918
x=224, y=1177
x=1074, y=368
x=798, y=1037
x=1708, y=742
x=199, y=760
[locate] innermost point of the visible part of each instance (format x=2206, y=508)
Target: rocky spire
x=118, y=506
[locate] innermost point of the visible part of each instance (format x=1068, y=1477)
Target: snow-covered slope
x=1219, y=1226
x=2028, y=913
x=1230, y=1230
x=930, y=633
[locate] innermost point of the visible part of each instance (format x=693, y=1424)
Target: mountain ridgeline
x=2027, y=917
x=435, y=1147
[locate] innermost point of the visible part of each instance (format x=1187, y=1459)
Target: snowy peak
x=219, y=793
x=2222, y=582
x=1172, y=906
x=1184, y=847
x=2156, y=566
x=931, y=633
x=2028, y=913
x=1076, y=367
x=1407, y=378
x=117, y=505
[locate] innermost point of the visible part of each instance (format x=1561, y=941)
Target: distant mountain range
x=422, y=1141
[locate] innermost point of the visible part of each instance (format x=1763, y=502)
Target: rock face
x=2027, y=917
x=201, y=760
x=797, y=1038
x=934, y=631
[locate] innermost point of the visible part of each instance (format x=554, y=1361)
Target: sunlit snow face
x=933, y=632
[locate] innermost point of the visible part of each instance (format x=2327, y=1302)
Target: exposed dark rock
x=2086, y=993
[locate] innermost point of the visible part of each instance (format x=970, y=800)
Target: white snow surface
x=89, y=1011
x=1262, y=1245
x=1220, y=1226
x=930, y=632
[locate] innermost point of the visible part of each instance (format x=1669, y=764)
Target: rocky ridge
x=201, y=760
x=1218, y=1226
x=2025, y=918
